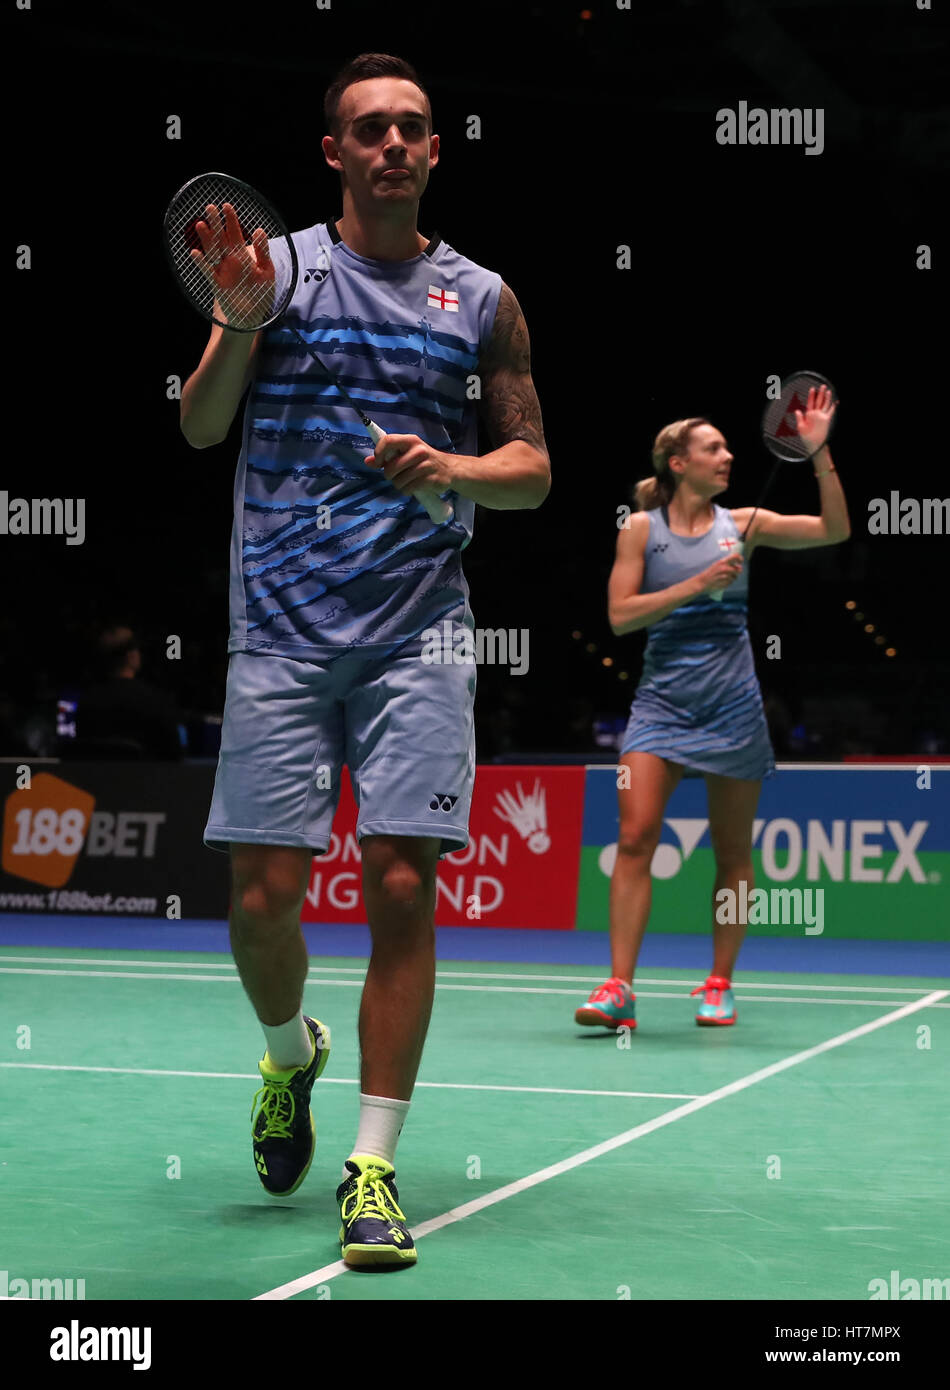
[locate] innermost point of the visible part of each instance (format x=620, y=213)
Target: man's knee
x=268, y=885
x=400, y=872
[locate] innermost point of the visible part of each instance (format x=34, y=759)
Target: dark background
x=596, y=132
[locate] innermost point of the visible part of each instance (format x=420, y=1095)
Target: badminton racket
x=781, y=438
x=232, y=257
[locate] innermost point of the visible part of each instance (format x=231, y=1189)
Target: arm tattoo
x=510, y=406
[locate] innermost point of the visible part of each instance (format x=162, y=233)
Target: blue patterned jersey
x=326, y=555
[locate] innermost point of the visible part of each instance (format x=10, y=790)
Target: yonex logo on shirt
x=320, y=271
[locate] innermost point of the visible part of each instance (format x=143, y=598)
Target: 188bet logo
x=47, y=825
x=44, y=827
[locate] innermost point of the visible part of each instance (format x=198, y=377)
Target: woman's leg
x=642, y=803
x=732, y=806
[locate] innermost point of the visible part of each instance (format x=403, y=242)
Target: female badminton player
x=697, y=709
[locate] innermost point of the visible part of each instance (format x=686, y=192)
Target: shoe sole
x=715, y=1022
x=593, y=1018
x=324, y=1058
x=367, y=1256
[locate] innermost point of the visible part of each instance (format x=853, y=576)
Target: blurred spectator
x=122, y=716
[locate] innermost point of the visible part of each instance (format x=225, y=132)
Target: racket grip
x=737, y=549
x=438, y=510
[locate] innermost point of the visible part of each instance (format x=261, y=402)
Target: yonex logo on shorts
x=441, y=802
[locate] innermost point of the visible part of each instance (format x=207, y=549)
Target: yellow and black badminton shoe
x=374, y=1230
x=283, y=1130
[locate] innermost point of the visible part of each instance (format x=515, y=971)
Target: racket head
x=264, y=302
x=779, y=431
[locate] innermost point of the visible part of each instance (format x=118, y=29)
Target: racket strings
x=261, y=302
x=779, y=426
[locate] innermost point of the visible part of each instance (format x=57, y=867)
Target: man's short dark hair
x=359, y=69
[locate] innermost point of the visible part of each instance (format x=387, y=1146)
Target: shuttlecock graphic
x=528, y=815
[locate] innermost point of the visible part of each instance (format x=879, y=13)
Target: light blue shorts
x=404, y=728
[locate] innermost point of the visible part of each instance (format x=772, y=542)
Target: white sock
x=381, y=1122
x=289, y=1044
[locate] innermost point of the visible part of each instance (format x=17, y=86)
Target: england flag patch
x=443, y=299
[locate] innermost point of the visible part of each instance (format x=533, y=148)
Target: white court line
x=742, y=997
x=352, y=1081
x=128, y=975
x=464, y=974
x=448, y=1218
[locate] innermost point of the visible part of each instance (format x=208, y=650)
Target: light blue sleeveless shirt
x=687, y=651
x=404, y=338
x=698, y=702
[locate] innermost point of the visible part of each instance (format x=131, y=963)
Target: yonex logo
x=396, y=1234
x=261, y=1165
x=319, y=272
x=843, y=850
x=659, y=549
x=441, y=802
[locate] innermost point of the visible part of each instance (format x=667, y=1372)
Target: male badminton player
x=325, y=647
x=697, y=709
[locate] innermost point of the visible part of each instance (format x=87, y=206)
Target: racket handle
x=737, y=549
x=439, y=511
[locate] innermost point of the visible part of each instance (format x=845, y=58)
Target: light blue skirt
x=730, y=738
